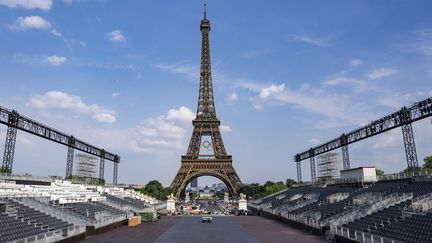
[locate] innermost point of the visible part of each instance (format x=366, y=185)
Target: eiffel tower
x=206, y=155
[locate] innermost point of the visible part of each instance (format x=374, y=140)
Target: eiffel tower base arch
x=221, y=169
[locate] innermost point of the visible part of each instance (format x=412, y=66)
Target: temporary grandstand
x=59, y=210
x=397, y=208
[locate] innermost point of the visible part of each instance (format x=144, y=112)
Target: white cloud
x=420, y=42
x=358, y=85
x=56, y=60
x=225, y=128
x=155, y=135
x=39, y=59
x=232, y=97
x=271, y=90
x=309, y=40
x=381, y=73
x=424, y=41
x=59, y=35
x=252, y=86
x=36, y=22
x=65, y=101
x=30, y=22
x=356, y=62
x=336, y=108
x=314, y=141
x=76, y=62
x=182, y=115
x=115, y=94
x=397, y=100
x=389, y=139
x=28, y=4
x=158, y=135
x=56, y=33
x=104, y=117
x=184, y=68
x=116, y=36
x=69, y=2
x=165, y=131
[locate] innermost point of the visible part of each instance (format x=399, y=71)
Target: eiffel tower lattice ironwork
x=206, y=155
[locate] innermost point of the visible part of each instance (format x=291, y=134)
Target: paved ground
x=223, y=229
x=269, y=231
x=147, y=232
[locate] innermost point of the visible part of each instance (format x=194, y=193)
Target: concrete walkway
x=225, y=229
x=222, y=229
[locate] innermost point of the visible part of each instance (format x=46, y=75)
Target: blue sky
x=287, y=75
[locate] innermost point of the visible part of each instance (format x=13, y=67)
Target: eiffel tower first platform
x=206, y=155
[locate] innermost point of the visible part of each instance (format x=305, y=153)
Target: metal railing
x=301, y=219
x=360, y=236
x=52, y=236
x=289, y=208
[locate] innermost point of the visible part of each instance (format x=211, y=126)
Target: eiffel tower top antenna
x=205, y=9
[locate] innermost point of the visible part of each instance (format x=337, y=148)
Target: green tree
x=428, y=163
x=290, y=182
x=379, y=172
x=166, y=192
x=273, y=187
x=192, y=194
x=155, y=189
x=4, y=170
x=220, y=194
x=253, y=190
x=412, y=170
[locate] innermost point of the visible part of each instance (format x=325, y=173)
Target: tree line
x=256, y=190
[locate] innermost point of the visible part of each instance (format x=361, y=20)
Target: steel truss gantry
x=15, y=121
x=402, y=118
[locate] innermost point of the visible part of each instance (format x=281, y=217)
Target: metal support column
x=409, y=143
x=115, y=173
x=9, y=149
x=408, y=137
x=345, y=152
x=299, y=175
x=345, y=157
x=312, y=165
x=102, y=165
x=115, y=170
x=313, y=170
x=70, y=157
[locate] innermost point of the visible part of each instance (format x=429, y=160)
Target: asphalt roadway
x=224, y=229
